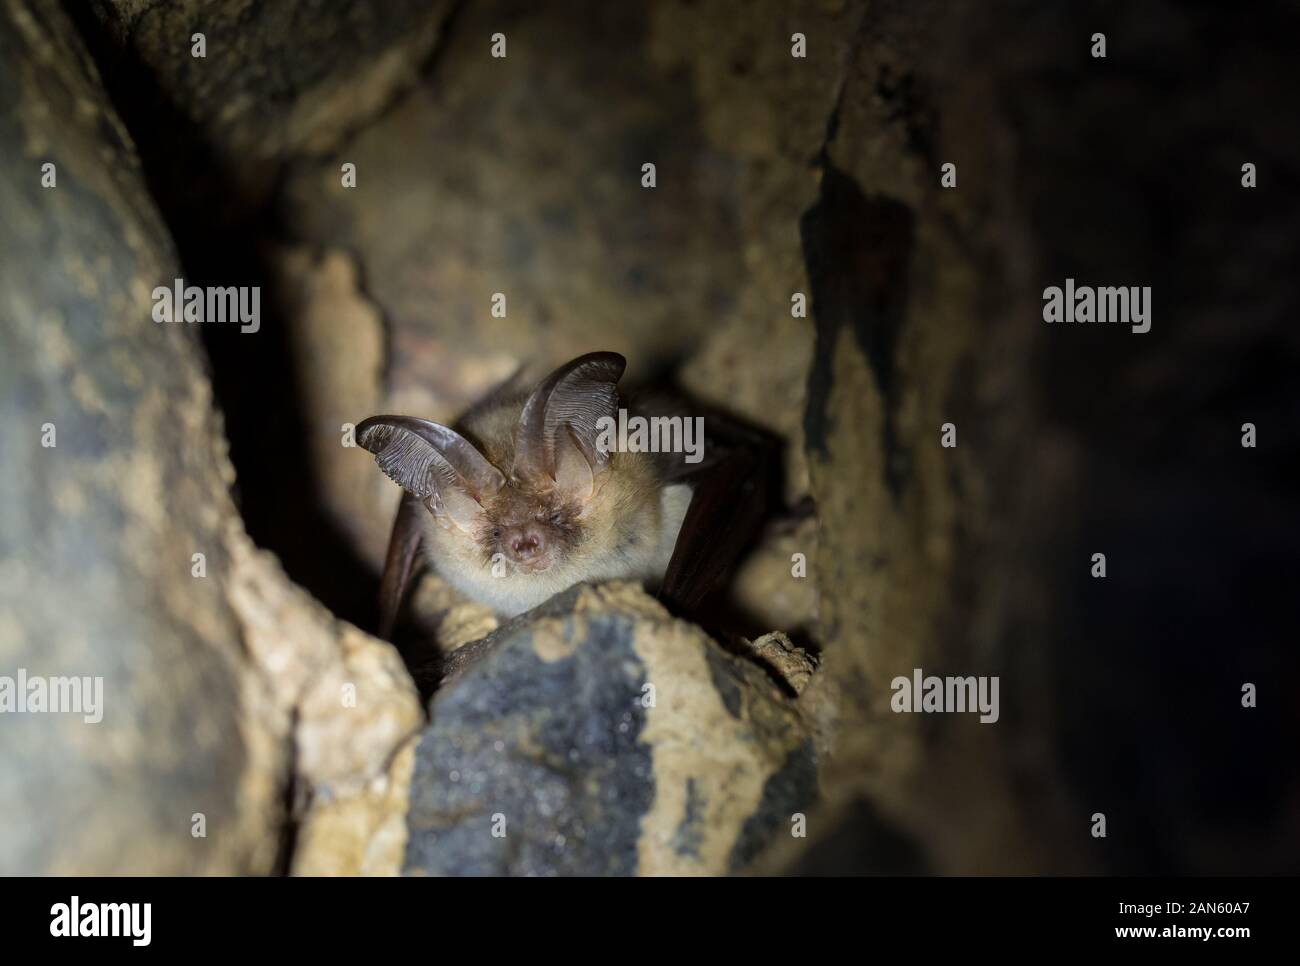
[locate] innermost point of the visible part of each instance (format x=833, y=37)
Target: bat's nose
x=526, y=544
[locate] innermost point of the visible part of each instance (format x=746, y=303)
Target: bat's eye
x=497, y=532
x=556, y=518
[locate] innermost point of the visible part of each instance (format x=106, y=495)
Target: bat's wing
x=732, y=492
x=400, y=565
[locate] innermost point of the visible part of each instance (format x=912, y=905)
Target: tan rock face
x=102, y=527
x=905, y=300
x=442, y=615
x=513, y=177
x=765, y=112
x=598, y=735
x=776, y=585
x=124, y=559
x=791, y=664
x=347, y=708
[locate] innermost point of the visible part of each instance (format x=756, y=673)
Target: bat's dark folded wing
x=733, y=487
x=399, y=567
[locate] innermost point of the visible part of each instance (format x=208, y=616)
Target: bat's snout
x=526, y=545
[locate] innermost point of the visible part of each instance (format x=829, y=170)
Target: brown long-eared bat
x=526, y=497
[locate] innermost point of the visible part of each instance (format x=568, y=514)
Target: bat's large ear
x=435, y=464
x=561, y=422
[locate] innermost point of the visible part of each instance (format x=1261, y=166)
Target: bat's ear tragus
x=575, y=477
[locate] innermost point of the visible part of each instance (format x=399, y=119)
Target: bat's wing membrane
x=400, y=565
x=731, y=493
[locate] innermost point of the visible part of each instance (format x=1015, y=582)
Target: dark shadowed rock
x=545, y=734
x=1070, y=439
x=278, y=77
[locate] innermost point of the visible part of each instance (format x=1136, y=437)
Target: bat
x=525, y=498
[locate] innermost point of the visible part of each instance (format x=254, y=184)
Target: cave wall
x=220, y=730
x=776, y=177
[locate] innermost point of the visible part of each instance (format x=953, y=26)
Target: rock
x=905, y=294
x=100, y=529
x=764, y=112
x=791, y=664
x=597, y=735
x=276, y=79
x=336, y=343
x=522, y=176
x=348, y=710
x=767, y=590
x=972, y=559
x=444, y=616
x=848, y=840
x=223, y=685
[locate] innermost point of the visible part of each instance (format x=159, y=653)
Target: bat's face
x=524, y=529
x=531, y=531
x=528, y=543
